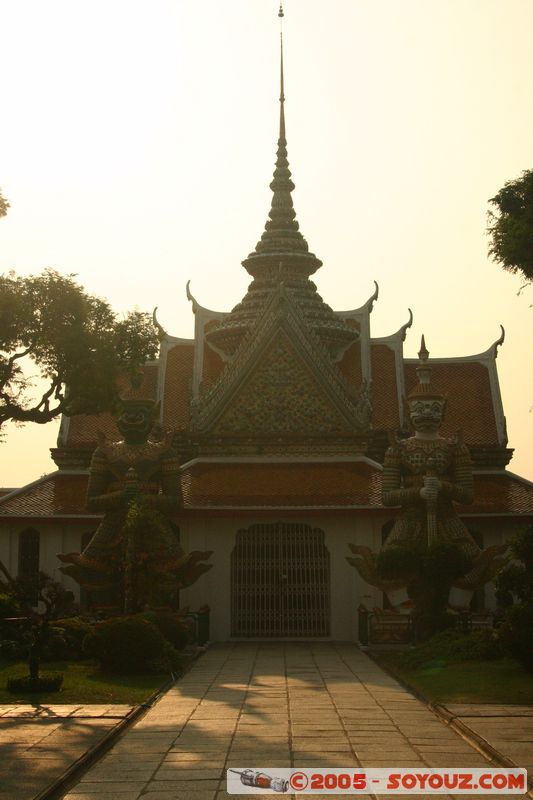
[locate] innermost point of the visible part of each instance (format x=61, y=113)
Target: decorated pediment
x=282, y=381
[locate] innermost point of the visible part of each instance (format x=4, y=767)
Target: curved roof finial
x=371, y=300
x=499, y=341
x=403, y=329
x=161, y=332
x=191, y=299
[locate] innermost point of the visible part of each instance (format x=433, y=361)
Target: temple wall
x=347, y=588
x=54, y=537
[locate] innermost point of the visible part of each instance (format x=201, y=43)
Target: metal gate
x=280, y=582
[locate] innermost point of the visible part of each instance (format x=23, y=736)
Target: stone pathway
x=39, y=743
x=272, y=705
x=508, y=729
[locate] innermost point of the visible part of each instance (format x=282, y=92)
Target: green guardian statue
x=134, y=558
x=425, y=475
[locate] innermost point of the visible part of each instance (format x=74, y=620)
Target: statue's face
x=135, y=422
x=426, y=415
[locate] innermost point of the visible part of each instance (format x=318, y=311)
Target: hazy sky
x=138, y=139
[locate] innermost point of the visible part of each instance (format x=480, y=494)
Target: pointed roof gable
x=280, y=370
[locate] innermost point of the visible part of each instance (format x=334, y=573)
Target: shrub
x=453, y=645
x=169, y=661
x=429, y=572
x=125, y=644
x=47, y=682
x=9, y=607
x=515, y=582
x=516, y=634
x=12, y=649
x=73, y=631
x=396, y=562
x=171, y=626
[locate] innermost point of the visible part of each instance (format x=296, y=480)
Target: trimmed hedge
x=126, y=645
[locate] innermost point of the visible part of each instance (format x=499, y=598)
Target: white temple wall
x=54, y=537
x=348, y=590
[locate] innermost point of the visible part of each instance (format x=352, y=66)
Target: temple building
x=282, y=410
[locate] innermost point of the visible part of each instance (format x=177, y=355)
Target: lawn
x=83, y=683
x=501, y=680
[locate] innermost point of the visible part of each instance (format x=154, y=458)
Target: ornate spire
x=424, y=389
x=282, y=240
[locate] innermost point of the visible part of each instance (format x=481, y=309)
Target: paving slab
x=278, y=705
x=40, y=742
x=507, y=728
x=257, y=705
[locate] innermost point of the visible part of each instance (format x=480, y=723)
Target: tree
x=76, y=342
x=514, y=585
x=511, y=226
x=4, y=205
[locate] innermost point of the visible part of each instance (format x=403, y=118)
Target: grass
x=83, y=683
x=502, y=680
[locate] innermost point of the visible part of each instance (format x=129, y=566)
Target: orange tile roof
x=281, y=484
x=269, y=485
x=213, y=366
x=59, y=494
x=469, y=407
x=178, y=385
x=83, y=429
x=500, y=494
x=350, y=365
x=384, y=388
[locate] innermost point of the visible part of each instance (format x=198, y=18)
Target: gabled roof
x=470, y=405
x=471, y=385
x=500, y=494
x=57, y=495
x=298, y=364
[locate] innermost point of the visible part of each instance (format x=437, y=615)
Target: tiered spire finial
x=281, y=81
x=424, y=389
x=282, y=240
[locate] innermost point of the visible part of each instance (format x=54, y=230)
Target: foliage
x=169, y=661
x=24, y=593
x=515, y=581
x=46, y=682
x=398, y=561
x=32, y=637
x=66, y=638
x=516, y=633
x=452, y=646
x=4, y=205
x=441, y=562
x=429, y=571
x=151, y=543
x=171, y=626
x=125, y=645
x=74, y=340
x=9, y=606
x=511, y=226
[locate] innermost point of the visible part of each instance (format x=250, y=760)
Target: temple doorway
x=280, y=582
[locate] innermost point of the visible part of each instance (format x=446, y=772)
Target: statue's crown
x=135, y=393
x=424, y=390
